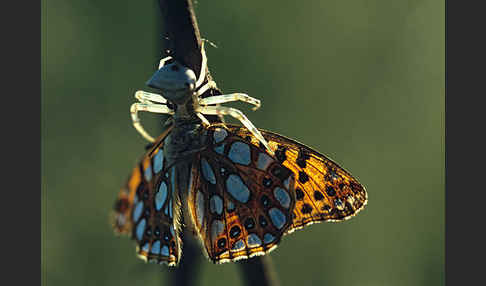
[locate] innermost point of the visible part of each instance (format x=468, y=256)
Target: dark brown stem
x=259, y=271
x=183, y=43
x=185, y=274
x=182, y=32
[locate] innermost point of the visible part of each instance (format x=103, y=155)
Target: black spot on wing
x=280, y=153
x=318, y=196
x=299, y=194
x=280, y=172
x=267, y=182
x=263, y=222
x=221, y=242
x=235, y=231
x=302, y=158
x=249, y=223
x=306, y=209
x=330, y=191
x=303, y=177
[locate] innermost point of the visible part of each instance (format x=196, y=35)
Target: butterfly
x=239, y=189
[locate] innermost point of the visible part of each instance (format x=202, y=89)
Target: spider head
x=176, y=82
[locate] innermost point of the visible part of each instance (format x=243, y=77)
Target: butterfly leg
x=235, y=113
x=149, y=107
x=229, y=98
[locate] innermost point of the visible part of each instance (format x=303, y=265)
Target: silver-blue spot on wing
x=155, y=247
x=216, y=205
x=158, y=161
x=145, y=247
x=277, y=217
x=148, y=173
x=239, y=245
x=161, y=196
x=267, y=238
x=253, y=240
x=264, y=161
x=199, y=207
x=165, y=250
x=282, y=197
x=137, y=211
x=207, y=171
x=170, y=208
x=240, y=153
x=219, y=135
x=237, y=189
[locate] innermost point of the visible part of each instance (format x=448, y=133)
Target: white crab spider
x=178, y=84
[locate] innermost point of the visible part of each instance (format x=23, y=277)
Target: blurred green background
x=360, y=81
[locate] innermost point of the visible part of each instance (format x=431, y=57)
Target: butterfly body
x=183, y=141
x=238, y=188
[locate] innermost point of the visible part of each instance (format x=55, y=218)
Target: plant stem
x=183, y=42
x=259, y=270
x=182, y=32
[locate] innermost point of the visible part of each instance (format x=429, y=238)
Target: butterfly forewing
x=240, y=202
x=147, y=207
x=323, y=190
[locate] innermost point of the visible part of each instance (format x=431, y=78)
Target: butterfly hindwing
x=323, y=190
x=239, y=203
x=146, y=209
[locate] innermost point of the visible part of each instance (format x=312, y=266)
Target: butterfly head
x=176, y=82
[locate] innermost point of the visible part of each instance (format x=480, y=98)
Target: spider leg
x=162, y=61
x=229, y=98
x=204, y=120
x=147, y=97
x=149, y=107
x=204, y=62
x=204, y=88
x=235, y=113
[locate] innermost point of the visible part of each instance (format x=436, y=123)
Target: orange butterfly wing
x=323, y=190
x=147, y=209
